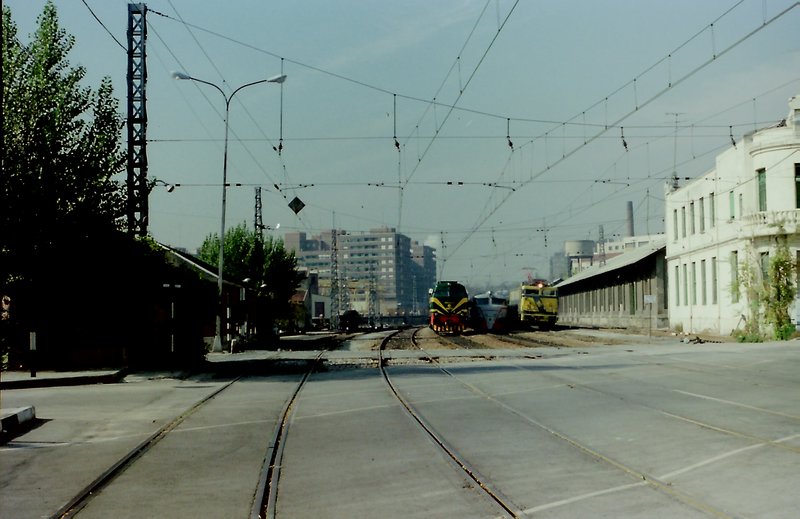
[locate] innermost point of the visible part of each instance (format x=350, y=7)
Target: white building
x=610, y=248
x=729, y=216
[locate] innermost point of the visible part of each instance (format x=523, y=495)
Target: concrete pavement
x=301, y=348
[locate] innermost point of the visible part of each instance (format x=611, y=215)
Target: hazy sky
x=569, y=83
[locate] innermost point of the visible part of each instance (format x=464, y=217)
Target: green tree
x=61, y=249
x=269, y=268
x=781, y=289
x=61, y=150
x=753, y=286
x=769, y=294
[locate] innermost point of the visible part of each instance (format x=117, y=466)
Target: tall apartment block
x=380, y=271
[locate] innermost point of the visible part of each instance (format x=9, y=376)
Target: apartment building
x=380, y=265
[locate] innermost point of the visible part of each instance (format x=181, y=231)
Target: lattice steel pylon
x=602, y=242
x=344, y=290
x=334, y=280
x=372, y=299
x=138, y=190
x=258, y=223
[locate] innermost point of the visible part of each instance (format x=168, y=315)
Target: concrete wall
x=619, y=298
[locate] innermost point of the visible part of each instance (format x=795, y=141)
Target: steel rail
x=82, y=498
x=479, y=480
x=758, y=440
x=266, y=495
x=651, y=481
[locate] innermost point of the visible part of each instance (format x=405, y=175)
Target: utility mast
x=138, y=190
x=334, y=295
x=372, y=301
x=258, y=222
x=675, y=152
x=602, y=242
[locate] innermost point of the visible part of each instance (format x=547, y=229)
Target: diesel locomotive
x=449, y=307
x=536, y=303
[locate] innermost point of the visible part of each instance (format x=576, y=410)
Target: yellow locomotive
x=536, y=302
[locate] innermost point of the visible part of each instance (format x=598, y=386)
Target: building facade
x=627, y=291
x=728, y=221
x=379, y=272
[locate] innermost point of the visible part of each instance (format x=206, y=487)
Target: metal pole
x=221, y=259
x=217, y=347
x=32, y=360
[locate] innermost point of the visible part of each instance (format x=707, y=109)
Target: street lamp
x=182, y=75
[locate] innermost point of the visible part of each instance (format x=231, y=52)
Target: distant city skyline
x=547, y=120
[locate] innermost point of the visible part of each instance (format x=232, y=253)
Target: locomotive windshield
x=454, y=290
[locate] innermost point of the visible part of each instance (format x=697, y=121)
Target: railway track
x=263, y=504
x=645, y=479
x=462, y=458
x=82, y=498
x=479, y=481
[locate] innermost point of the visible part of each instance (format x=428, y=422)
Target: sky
x=492, y=131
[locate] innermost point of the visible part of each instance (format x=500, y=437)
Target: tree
x=61, y=204
x=769, y=294
x=781, y=289
x=61, y=150
x=270, y=269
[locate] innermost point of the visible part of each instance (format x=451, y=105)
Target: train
x=535, y=303
x=490, y=312
x=449, y=307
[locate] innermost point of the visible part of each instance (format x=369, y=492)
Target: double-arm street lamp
x=221, y=261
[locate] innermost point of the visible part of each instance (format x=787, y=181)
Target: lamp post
x=221, y=261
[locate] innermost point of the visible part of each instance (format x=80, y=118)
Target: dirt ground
x=565, y=338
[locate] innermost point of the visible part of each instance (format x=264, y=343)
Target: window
x=685, y=286
x=702, y=215
x=712, y=211
x=694, y=283
x=764, y=265
x=732, y=206
x=691, y=218
x=714, y=280
x=761, y=175
x=741, y=205
x=797, y=271
x=683, y=222
x=677, y=285
x=675, y=222
x=797, y=184
x=703, y=299
x=735, y=276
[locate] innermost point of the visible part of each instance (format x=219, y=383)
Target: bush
x=785, y=332
x=748, y=337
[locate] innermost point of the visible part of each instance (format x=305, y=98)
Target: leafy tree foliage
x=61, y=150
x=769, y=294
x=266, y=265
x=68, y=271
x=781, y=288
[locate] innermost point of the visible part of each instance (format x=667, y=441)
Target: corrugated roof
x=205, y=270
x=623, y=260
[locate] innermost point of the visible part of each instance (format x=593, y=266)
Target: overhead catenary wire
x=649, y=100
x=246, y=110
x=438, y=103
x=556, y=136
x=104, y=26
